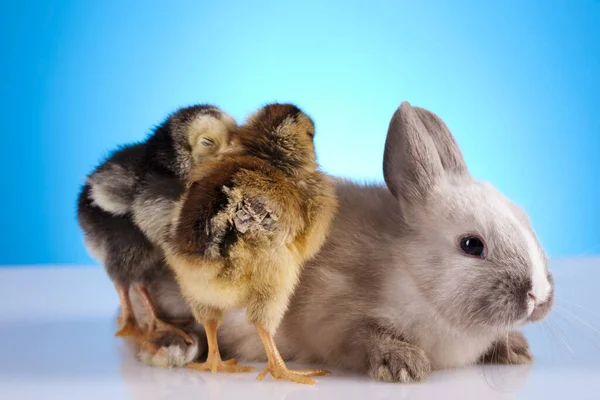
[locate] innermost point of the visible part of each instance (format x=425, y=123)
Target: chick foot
x=296, y=376
x=180, y=321
x=215, y=364
x=167, y=350
x=276, y=366
x=130, y=328
x=159, y=328
x=156, y=326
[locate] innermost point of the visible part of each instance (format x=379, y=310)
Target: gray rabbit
x=434, y=271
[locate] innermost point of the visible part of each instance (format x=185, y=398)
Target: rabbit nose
x=532, y=297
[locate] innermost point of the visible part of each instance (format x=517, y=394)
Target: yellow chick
x=245, y=226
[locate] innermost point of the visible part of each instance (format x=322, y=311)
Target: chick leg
x=214, y=362
x=128, y=322
x=155, y=324
x=276, y=366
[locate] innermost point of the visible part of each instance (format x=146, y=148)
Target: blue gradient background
x=517, y=82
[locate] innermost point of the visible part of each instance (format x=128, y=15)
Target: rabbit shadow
x=85, y=350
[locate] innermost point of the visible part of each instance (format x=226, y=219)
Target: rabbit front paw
x=398, y=361
x=510, y=349
x=169, y=351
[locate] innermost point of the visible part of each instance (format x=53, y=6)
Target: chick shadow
x=144, y=382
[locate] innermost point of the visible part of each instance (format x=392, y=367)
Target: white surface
x=56, y=341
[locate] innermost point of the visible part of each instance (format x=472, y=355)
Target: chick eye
x=472, y=246
x=207, y=142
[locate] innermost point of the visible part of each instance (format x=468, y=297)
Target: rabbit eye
x=472, y=246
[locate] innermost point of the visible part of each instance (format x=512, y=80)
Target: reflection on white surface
x=56, y=341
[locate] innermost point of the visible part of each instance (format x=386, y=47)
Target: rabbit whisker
x=588, y=338
x=586, y=363
x=551, y=337
x=579, y=319
x=562, y=335
x=579, y=306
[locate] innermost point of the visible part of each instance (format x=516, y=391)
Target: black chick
x=105, y=204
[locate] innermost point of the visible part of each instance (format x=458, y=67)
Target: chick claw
x=296, y=376
x=215, y=364
x=130, y=328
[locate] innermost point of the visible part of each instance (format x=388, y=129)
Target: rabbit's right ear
x=450, y=155
x=411, y=164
